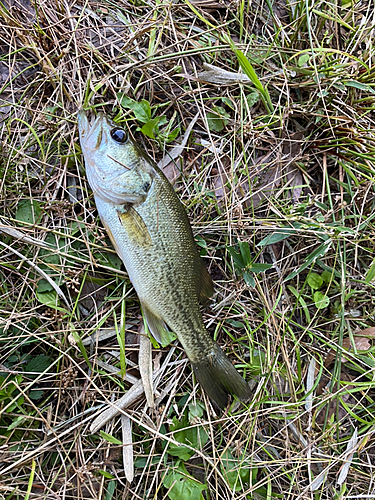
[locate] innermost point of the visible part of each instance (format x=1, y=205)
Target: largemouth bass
x=150, y=230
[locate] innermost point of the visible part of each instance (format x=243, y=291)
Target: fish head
x=117, y=169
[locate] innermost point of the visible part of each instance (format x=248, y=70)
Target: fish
x=150, y=231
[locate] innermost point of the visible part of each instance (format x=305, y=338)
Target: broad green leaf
x=321, y=250
x=110, y=438
x=196, y=437
x=360, y=86
x=245, y=252
x=16, y=422
x=28, y=211
x=49, y=299
x=237, y=259
x=321, y=301
x=141, y=110
x=38, y=364
x=260, y=268
x=44, y=286
x=327, y=276
x=110, y=490
x=195, y=411
x=35, y=395
x=108, y=259
x=217, y=119
x=106, y=474
x=151, y=128
x=249, y=279
x=252, y=98
x=181, y=486
x=303, y=59
x=236, y=473
x=276, y=237
x=315, y=281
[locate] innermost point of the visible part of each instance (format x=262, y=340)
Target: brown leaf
x=361, y=344
x=367, y=332
x=295, y=181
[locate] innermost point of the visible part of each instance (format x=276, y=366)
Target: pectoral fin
x=157, y=327
x=135, y=226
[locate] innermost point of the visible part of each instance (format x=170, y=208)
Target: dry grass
x=291, y=153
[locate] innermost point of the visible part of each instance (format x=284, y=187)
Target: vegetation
x=277, y=175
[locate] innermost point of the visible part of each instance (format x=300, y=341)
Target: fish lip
x=91, y=127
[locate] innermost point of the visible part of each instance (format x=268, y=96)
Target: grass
x=278, y=181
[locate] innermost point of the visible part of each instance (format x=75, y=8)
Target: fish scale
x=151, y=233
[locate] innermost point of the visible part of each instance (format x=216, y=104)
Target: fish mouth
x=92, y=128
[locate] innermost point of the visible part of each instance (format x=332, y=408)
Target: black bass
x=151, y=233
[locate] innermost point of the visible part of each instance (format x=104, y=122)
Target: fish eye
x=119, y=135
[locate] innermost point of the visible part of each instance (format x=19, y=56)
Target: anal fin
x=157, y=327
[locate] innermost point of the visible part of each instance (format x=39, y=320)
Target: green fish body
x=151, y=233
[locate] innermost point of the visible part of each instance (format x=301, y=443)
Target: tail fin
x=219, y=378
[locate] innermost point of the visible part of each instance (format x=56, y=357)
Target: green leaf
x=50, y=299
x=28, y=211
x=249, y=279
x=276, y=237
x=106, y=474
x=44, y=286
x=237, y=259
x=327, y=276
x=141, y=110
x=321, y=250
x=108, y=259
x=315, y=281
x=151, y=128
x=260, y=268
x=250, y=72
x=370, y=275
x=79, y=343
x=181, y=486
x=110, y=438
x=245, y=252
x=35, y=395
x=321, y=301
x=301, y=300
x=236, y=473
x=110, y=490
x=195, y=411
x=38, y=364
x=252, y=98
x=303, y=59
x=18, y=421
x=217, y=119
x=258, y=359
x=196, y=437
x=360, y=86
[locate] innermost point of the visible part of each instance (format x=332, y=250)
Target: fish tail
x=220, y=379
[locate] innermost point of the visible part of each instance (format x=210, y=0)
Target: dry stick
x=145, y=366
x=127, y=448
x=15, y=233
x=127, y=399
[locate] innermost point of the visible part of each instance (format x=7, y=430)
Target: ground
x=273, y=104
